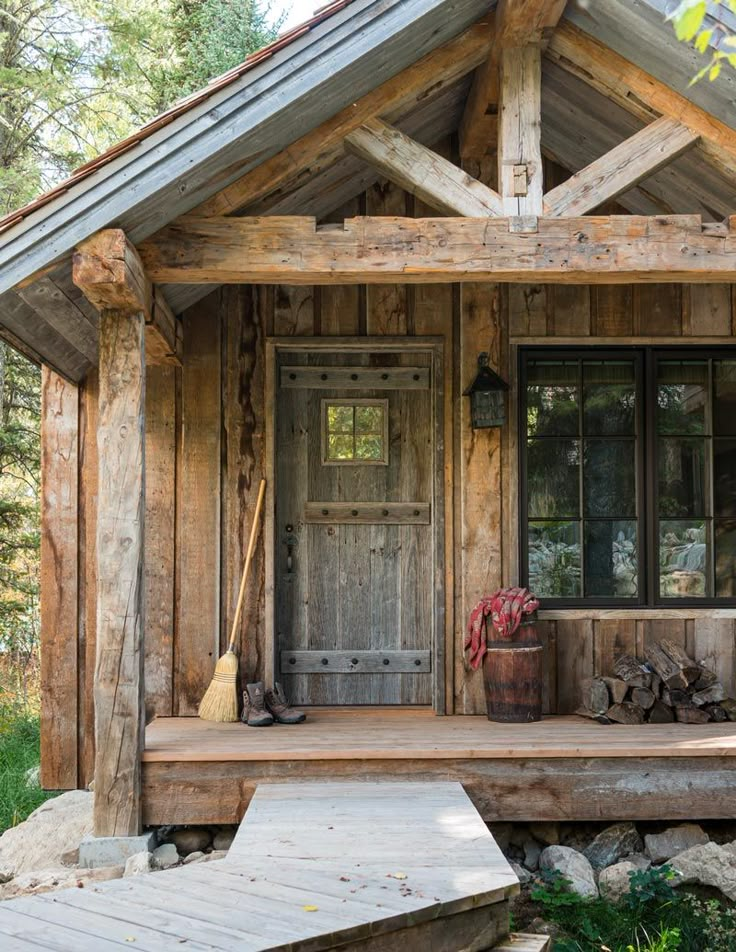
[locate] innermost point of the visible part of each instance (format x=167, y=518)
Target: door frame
x=435, y=348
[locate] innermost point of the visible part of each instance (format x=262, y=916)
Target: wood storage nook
x=291, y=276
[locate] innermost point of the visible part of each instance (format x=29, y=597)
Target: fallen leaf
x=310, y=908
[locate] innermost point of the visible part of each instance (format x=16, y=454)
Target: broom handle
x=248, y=559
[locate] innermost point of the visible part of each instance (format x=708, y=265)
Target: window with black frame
x=628, y=476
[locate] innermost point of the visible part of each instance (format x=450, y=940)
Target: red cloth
x=506, y=608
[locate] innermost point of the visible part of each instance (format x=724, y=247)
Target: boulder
x=523, y=875
x=70, y=857
x=55, y=827
x=706, y=865
x=547, y=832
x=615, y=881
x=572, y=866
x=532, y=852
x=663, y=846
x=165, y=856
x=47, y=880
x=215, y=854
x=612, y=844
x=138, y=863
x=224, y=839
x=639, y=860
x=192, y=840
x=195, y=857
x=33, y=777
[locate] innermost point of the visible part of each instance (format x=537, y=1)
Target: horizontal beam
x=293, y=250
x=108, y=270
x=523, y=22
x=622, y=168
x=422, y=172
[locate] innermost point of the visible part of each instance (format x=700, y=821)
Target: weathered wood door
x=358, y=568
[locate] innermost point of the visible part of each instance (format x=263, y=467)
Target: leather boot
x=254, y=706
x=278, y=704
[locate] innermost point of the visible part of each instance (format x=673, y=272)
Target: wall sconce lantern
x=487, y=397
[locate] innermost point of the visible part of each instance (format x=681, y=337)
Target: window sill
x=570, y=614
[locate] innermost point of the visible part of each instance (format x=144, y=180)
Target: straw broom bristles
x=220, y=702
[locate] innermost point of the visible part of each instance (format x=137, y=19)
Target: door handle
x=290, y=541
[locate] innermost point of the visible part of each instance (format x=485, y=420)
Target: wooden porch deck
x=378, y=867
x=560, y=768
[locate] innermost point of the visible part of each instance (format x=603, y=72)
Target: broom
x=220, y=703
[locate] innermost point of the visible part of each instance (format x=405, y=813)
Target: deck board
x=334, y=734
x=313, y=867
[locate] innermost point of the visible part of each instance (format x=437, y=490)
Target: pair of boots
x=261, y=708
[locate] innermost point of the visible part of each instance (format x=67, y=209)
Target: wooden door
x=356, y=556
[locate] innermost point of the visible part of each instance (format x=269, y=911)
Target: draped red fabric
x=506, y=608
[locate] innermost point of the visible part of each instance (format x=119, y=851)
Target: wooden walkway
x=374, y=867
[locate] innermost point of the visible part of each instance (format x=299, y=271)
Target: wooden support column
x=119, y=689
x=519, y=138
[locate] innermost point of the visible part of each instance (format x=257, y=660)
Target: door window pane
x=724, y=477
x=553, y=478
x=724, y=397
x=609, y=398
x=552, y=407
x=725, y=559
x=355, y=431
x=554, y=559
x=682, y=482
x=609, y=478
x=611, y=560
x=682, y=396
x=683, y=559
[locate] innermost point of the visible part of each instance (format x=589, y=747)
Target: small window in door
x=355, y=432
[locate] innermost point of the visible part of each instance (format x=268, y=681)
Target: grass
x=19, y=753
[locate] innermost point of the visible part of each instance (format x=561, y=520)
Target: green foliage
x=652, y=917
x=696, y=22
x=19, y=753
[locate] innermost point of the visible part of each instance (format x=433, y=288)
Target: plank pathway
x=390, y=734
x=376, y=866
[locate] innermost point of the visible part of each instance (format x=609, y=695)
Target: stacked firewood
x=667, y=686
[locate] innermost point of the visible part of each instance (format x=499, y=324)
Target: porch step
x=524, y=942
x=380, y=867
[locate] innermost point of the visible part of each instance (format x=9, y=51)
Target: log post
x=119, y=688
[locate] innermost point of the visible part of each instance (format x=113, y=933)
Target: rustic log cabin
x=292, y=275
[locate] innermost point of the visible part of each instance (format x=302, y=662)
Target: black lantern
x=487, y=397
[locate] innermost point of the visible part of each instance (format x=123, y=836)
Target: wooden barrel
x=513, y=676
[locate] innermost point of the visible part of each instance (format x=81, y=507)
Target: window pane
x=554, y=559
x=339, y=419
x=339, y=447
x=725, y=533
x=683, y=559
x=724, y=406
x=724, y=477
x=552, y=478
x=609, y=397
x=368, y=447
x=369, y=419
x=611, y=564
x=682, y=389
x=681, y=485
x=609, y=478
x=552, y=398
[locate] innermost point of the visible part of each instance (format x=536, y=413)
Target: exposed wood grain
x=119, y=689
x=569, y=310
x=384, y=250
x=706, y=310
x=612, y=312
x=478, y=130
x=527, y=21
x=356, y=661
x=622, y=168
x=575, y=661
x=612, y=638
x=59, y=581
x=387, y=309
x=61, y=313
x=361, y=513
x=161, y=398
x=422, y=172
x=657, y=310
x=197, y=644
x=714, y=645
x=354, y=378
x=520, y=171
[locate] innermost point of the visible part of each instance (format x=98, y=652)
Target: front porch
x=563, y=768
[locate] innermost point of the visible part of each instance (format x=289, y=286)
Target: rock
x=6, y=874
x=707, y=865
x=532, y=852
x=70, y=857
x=663, y=846
x=519, y=835
x=224, y=839
x=547, y=833
x=138, y=863
x=165, y=856
x=540, y=926
x=195, y=857
x=56, y=826
x=33, y=777
x=215, y=854
x=612, y=843
x=192, y=840
x=639, y=860
x=614, y=881
x=572, y=866
x=523, y=875
x=46, y=880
